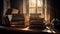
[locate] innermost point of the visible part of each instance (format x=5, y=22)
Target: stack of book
x=36, y=22
x=18, y=20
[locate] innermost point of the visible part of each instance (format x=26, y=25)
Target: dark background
x=16, y=4
x=1, y=10
x=56, y=8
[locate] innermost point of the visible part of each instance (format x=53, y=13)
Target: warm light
x=45, y=14
x=14, y=11
x=27, y=28
x=39, y=3
x=47, y=27
x=32, y=6
x=49, y=31
x=35, y=6
x=45, y=9
x=26, y=19
x=32, y=10
x=32, y=3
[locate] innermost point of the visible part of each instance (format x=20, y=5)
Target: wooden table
x=12, y=30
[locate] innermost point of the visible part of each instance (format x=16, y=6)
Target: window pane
x=33, y=6
x=39, y=10
x=32, y=10
x=32, y=3
x=39, y=3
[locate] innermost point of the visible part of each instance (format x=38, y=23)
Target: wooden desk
x=11, y=30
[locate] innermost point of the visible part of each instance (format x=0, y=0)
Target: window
x=35, y=6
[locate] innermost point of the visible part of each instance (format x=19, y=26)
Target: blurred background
x=30, y=14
